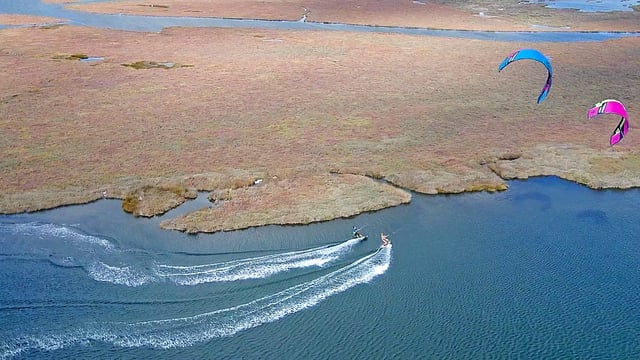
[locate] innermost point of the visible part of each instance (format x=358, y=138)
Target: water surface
x=547, y=269
x=589, y=5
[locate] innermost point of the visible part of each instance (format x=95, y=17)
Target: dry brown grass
x=155, y=200
x=6, y=19
x=307, y=100
x=427, y=114
x=70, y=56
x=540, y=16
x=292, y=201
x=146, y=64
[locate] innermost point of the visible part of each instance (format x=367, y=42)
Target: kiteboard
x=360, y=238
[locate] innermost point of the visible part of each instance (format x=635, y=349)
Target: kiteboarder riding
x=356, y=232
x=385, y=239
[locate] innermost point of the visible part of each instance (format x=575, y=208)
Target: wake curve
x=103, y=261
x=68, y=247
x=65, y=246
x=256, y=267
x=186, y=331
x=45, y=231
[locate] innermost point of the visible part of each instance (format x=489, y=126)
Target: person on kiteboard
x=384, y=239
x=356, y=232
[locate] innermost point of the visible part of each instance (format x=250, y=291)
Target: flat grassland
x=285, y=127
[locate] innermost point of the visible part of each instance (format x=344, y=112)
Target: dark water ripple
x=547, y=269
x=506, y=275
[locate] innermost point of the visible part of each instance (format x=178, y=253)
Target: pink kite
x=611, y=106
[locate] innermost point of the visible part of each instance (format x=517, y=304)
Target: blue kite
x=531, y=54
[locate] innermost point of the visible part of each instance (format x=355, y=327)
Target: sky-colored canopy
x=531, y=54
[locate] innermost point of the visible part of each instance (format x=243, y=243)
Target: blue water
x=547, y=269
x=157, y=23
x=589, y=5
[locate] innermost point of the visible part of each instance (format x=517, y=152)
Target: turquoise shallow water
x=547, y=269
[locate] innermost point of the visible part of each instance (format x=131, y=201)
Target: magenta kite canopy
x=611, y=106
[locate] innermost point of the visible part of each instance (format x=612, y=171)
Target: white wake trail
x=42, y=233
x=186, y=331
x=66, y=246
x=254, y=268
x=103, y=261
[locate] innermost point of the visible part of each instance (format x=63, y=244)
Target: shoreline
x=445, y=14
x=304, y=121
x=234, y=209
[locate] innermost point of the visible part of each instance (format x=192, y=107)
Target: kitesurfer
x=385, y=240
x=356, y=232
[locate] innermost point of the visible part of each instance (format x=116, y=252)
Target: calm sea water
x=547, y=269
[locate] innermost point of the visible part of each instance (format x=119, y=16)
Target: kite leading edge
x=531, y=54
x=612, y=106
